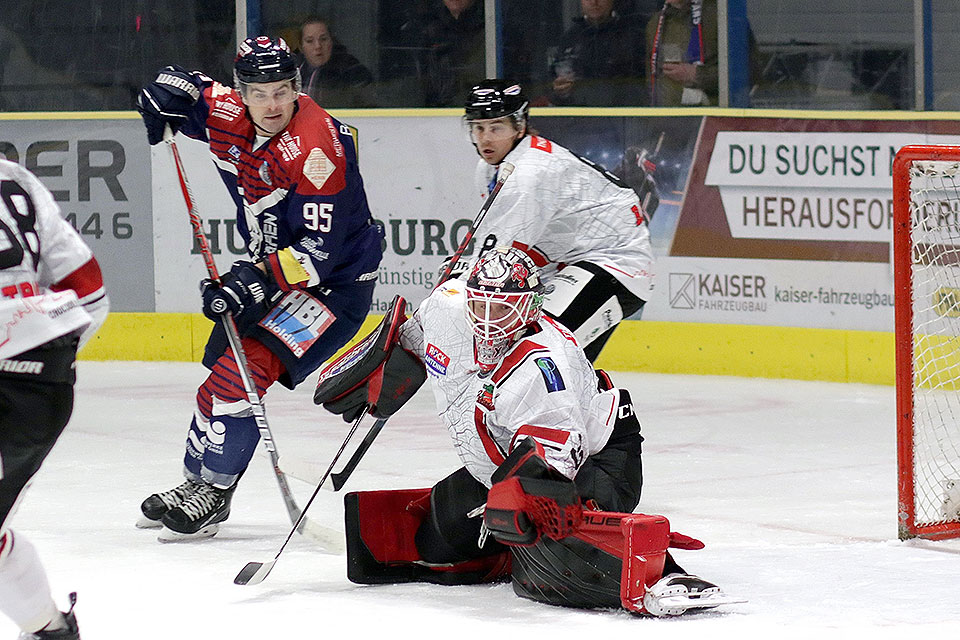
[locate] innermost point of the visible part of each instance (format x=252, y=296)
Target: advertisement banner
x=99, y=174
x=789, y=222
x=763, y=221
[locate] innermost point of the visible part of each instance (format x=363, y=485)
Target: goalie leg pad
x=608, y=562
x=380, y=529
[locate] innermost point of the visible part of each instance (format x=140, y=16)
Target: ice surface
x=792, y=485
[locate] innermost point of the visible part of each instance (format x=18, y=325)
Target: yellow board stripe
x=654, y=347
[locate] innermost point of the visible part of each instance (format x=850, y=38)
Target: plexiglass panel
x=841, y=55
x=64, y=55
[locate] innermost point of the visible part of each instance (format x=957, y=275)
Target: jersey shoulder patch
x=551, y=374
x=536, y=142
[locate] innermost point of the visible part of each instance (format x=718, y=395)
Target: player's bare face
x=316, y=43
x=270, y=105
x=494, y=138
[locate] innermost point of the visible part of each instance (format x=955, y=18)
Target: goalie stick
x=256, y=572
x=340, y=478
x=329, y=538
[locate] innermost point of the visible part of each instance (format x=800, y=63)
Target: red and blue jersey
x=299, y=191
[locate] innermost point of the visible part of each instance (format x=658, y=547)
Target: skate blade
x=143, y=522
x=684, y=602
x=169, y=535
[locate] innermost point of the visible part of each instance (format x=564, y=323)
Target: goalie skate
x=197, y=517
x=153, y=508
x=677, y=594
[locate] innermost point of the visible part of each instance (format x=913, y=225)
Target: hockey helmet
x=264, y=59
x=496, y=98
x=504, y=296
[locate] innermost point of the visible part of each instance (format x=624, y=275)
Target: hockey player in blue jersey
x=314, y=251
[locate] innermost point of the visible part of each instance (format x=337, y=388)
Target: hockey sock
x=24, y=590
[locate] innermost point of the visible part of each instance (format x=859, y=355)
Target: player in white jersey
x=540, y=435
x=52, y=300
x=584, y=226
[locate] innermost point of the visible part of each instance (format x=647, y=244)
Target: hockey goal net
x=926, y=192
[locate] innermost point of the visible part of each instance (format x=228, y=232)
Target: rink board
x=642, y=346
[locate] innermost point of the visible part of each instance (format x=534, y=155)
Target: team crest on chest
x=265, y=173
x=485, y=397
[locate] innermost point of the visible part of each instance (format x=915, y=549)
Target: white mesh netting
x=935, y=293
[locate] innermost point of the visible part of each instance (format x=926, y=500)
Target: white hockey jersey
x=39, y=249
x=569, y=210
x=545, y=388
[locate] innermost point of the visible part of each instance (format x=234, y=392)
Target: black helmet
x=264, y=59
x=495, y=98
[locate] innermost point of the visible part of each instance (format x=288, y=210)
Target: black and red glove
x=530, y=498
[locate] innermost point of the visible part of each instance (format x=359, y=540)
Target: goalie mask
x=504, y=296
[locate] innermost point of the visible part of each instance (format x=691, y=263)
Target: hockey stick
x=323, y=535
x=256, y=572
x=340, y=478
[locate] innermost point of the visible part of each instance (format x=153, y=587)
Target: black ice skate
x=199, y=516
x=677, y=593
x=71, y=632
x=158, y=504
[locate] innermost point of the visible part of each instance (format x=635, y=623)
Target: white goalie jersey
x=38, y=251
x=544, y=388
x=568, y=210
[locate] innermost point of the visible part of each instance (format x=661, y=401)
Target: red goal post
x=926, y=256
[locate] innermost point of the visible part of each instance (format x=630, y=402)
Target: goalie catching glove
x=530, y=498
x=375, y=374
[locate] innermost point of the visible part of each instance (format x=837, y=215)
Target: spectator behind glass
x=453, y=51
x=332, y=76
x=600, y=60
x=682, y=41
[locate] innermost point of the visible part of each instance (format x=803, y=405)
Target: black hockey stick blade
x=254, y=572
x=340, y=478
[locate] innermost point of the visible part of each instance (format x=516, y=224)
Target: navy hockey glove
x=167, y=100
x=244, y=285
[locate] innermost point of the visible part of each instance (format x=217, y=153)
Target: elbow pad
x=292, y=269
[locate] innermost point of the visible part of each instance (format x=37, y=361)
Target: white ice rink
x=791, y=485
